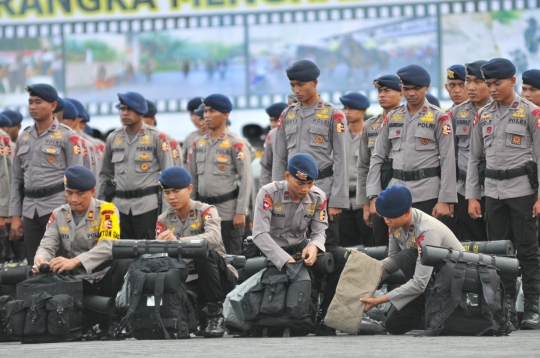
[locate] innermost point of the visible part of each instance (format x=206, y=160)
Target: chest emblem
x=397, y=117
x=64, y=229
x=464, y=114
x=197, y=223
x=311, y=208
x=145, y=139
x=278, y=207
x=118, y=141
x=225, y=143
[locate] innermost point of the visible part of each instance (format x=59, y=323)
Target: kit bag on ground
x=159, y=306
x=3, y=333
x=467, y=299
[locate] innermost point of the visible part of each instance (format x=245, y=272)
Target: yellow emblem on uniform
x=118, y=141
x=324, y=110
x=397, y=233
x=197, y=223
x=278, y=207
x=291, y=115
x=94, y=222
x=171, y=228
x=50, y=159
x=144, y=156
x=374, y=126
x=371, y=143
x=450, y=74
x=222, y=167
x=222, y=159
x=65, y=180
x=64, y=229
x=319, y=139
x=144, y=166
x=311, y=208
x=486, y=116
x=520, y=113
x=377, y=84
x=56, y=135
x=428, y=117
x=516, y=139
x=425, y=141
x=322, y=116
x=145, y=139
x=464, y=114
x=397, y=117
x=52, y=150
x=93, y=228
x=201, y=142
x=225, y=143
x=26, y=136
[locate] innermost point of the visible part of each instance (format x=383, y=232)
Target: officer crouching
x=84, y=229
x=188, y=219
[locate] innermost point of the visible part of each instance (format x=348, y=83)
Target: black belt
x=416, y=174
x=43, y=192
x=506, y=174
x=352, y=193
x=137, y=193
x=461, y=175
x=220, y=198
x=325, y=172
x=293, y=250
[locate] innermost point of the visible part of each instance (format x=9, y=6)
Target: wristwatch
x=372, y=197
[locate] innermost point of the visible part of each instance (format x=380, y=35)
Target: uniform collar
x=223, y=134
x=90, y=212
x=52, y=127
x=493, y=106
x=191, y=213
x=143, y=130
x=287, y=195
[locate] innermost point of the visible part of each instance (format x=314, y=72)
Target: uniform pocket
x=15, y=318
x=516, y=136
x=290, y=134
x=58, y=308
x=395, y=136
x=275, y=292
x=276, y=226
x=36, y=314
x=144, y=162
x=22, y=152
x=222, y=165
x=487, y=135
x=425, y=139
x=200, y=159
x=52, y=157
x=118, y=161
x=462, y=132
x=318, y=136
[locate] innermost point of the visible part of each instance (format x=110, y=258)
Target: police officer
x=508, y=133
x=79, y=228
x=192, y=106
x=418, y=136
x=410, y=230
x=353, y=229
x=190, y=219
x=267, y=157
x=462, y=116
x=150, y=119
x=455, y=84
x=220, y=168
x=292, y=99
x=318, y=128
x=135, y=154
x=291, y=218
x=389, y=94
x=530, y=89
x=5, y=122
x=44, y=151
x=16, y=120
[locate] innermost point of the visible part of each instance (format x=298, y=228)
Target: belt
x=506, y=174
x=220, y=198
x=325, y=172
x=461, y=175
x=293, y=250
x=352, y=193
x=43, y=192
x=416, y=174
x=137, y=193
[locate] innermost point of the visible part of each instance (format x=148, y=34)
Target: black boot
x=203, y=322
x=215, y=328
x=321, y=328
x=531, y=315
x=510, y=303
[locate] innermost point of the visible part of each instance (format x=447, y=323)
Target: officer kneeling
x=190, y=219
x=410, y=229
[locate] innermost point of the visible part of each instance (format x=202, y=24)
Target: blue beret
x=5, y=121
x=59, y=105
x=174, y=177
x=200, y=111
x=414, y=75
x=276, y=109
x=390, y=81
x=394, y=201
x=473, y=69
x=152, y=110
x=218, y=102
x=14, y=116
x=456, y=72
x=355, y=100
x=499, y=68
x=432, y=99
x=531, y=78
x=194, y=103
x=303, y=70
x=81, y=111
x=135, y=101
x=88, y=130
x=302, y=166
x=70, y=111
x=79, y=178
x=43, y=91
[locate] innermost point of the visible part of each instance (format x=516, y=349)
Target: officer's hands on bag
x=60, y=264
x=167, y=236
x=475, y=209
x=38, y=262
x=16, y=228
x=309, y=254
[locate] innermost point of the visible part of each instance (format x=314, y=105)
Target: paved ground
x=518, y=344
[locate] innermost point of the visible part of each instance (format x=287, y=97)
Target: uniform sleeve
x=267, y=159
x=4, y=181
x=319, y=224
x=179, y=161
x=17, y=182
x=362, y=167
x=242, y=163
x=107, y=168
x=72, y=158
x=381, y=151
x=339, y=194
x=50, y=242
x=192, y=169
x=281, y=155
x=534, y=129
x=445, y=138
x=473, y=190
x=212, y=228
x=164, y=157
x=391, y=263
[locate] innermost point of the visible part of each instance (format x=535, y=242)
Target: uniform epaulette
x=273, y=187
x=27, y=128
x=318, y=191
x=528, y=103
x=65, y=127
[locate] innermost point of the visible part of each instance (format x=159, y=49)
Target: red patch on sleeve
x=83, y=142
x=267, y=202
x=74, y=139
x=338, y=117
x=206, y=215
x=419, y=240
x=6, y=140
x=239, y=146
x=174, y=144
x=159, y=228
x=475, y=120
x=91, y=149
x=536, y=112
x=443, y=118
x=163, y=136
x=51, y=220
x=323, y=205
x=279, y=122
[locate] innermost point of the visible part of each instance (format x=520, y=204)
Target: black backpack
x=3, y=333
x=467, y=299
x=159, y=306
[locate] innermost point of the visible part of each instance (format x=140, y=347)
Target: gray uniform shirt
x=421, y=140
x=423, y=230
x=135, y=165
x=176, y=152
x=508, y=140
x=353, y=152
x=267, y=159
x=79, y=241
x=368, y=136
x=217, y=167
x=279, y=223
x=321, y=133
x=5, y=178
x=40, y=162
x=188, y=145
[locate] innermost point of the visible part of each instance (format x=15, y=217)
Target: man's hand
x=536, y=209
x=367, y=215
x=38, y=262
x=61, y=264
x=2, y=224
x=239, y=221
x=291, y=261
x=372, y=302
x=475, y=209
x=334, y=213
x=372, y=208
x=16, y=228
x=440, y=210
x=167, y=236
x=311, y=253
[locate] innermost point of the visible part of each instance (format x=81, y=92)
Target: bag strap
x=136, y=293
x=487, y=275
x=158, y=294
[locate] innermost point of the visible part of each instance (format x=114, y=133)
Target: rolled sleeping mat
x=497, y=247
x=14, y=275
x=397, y=278
x=236, y=261
x=322, y=266
x=433, y=255
x=100, y=304
x=188, y=249
x=375, y=252
x=255, y=265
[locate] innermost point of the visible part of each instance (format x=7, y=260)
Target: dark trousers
x=138, y=227
x=511, y=219
x=111, y=283
x=332, y=279
x=411, y=316
x=353, y=230
x=470, y=229
x=427, y=207
x=380, y=231
x=232, y=238
x=34, y=229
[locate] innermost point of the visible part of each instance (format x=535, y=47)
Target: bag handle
x=158, y=293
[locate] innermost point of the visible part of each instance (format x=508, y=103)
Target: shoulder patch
x=206, y=215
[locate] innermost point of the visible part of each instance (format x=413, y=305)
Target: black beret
x=355, y=100
x=175, y=178
x=152, y=110
x=473, y=69
x=302, y=166
x=498, y=68
x=194, y=103
x=393, y=202
x=218, y=102
x=43, y=91
x=199, y=111
x=414, y=75
x=79, y=178
x=81, y=111
x=70, y=111
x=433, y=100
x=275, y=109
x=14, y=116
x=5, y=121
x=390, y=81
x=303, y=70
x=59, y=105
x=135, y=101
x=456, y=72
x=531, y=78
